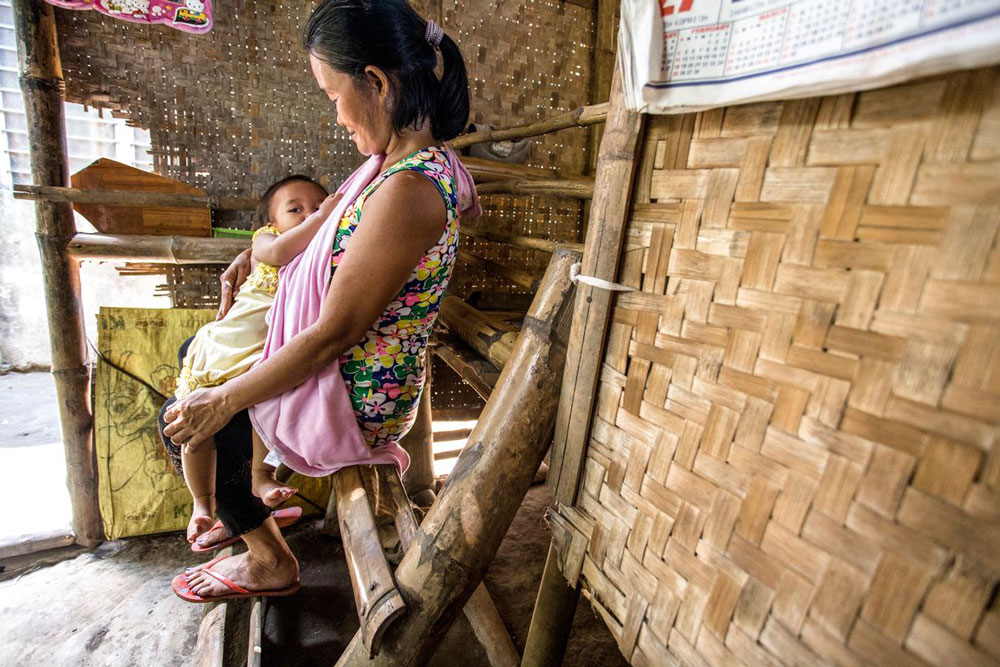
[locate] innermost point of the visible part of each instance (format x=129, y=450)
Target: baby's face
x=293, y=203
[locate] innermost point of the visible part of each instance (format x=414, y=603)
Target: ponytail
x=452, y=109
x=349, y=35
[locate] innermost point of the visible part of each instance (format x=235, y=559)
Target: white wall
x=24, y=338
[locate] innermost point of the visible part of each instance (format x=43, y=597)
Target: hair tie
x=434, y=33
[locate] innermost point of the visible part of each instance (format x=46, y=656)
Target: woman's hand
x=231, y=279
x=193, y=420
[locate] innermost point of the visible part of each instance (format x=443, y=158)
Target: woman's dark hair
x=262, y=216
x=349, y=35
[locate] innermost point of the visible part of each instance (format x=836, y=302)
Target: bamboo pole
x=526, y=242
x=480, y=610
x=376, y=597
x=460, y=535
x=155, y=249
x=579, y=189
x=516, y=276
x=592, y=311
x=605, y=23
x=50, y=193
x=471, y=367
x=579, y=117
x=419, y=444
x=495, y=344
x=552, y=617
x=42, y=86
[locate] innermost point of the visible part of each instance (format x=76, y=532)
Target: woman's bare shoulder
x=407, y=199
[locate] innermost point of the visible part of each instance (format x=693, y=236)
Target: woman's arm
x=400, y=221
x=280, y=250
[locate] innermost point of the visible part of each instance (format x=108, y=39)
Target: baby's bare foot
x=270, y=490
x=201, y=517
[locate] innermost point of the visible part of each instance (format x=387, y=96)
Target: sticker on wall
x=187, y=15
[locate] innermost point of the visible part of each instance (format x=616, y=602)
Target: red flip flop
x=284, y=517
x=181, y=590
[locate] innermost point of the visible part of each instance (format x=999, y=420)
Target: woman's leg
x=199, y=473
x=267, y=565
x=264, y=484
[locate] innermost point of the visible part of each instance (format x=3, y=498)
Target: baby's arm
x=280, y=250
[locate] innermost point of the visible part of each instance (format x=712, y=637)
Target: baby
x=291, y=211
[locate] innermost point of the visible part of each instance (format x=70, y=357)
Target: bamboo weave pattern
x=794, y=455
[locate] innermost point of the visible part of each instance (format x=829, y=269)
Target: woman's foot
x=216, y=534
x=273, y=572
x=201, y=517
x=269, y=489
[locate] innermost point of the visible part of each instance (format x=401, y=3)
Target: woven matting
x=527, y=60
x=794, y=455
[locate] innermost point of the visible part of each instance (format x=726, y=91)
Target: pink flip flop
x=180, y=587
x=284, y=517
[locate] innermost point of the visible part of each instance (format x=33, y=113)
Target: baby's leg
x=265, y=486
x=199, y=473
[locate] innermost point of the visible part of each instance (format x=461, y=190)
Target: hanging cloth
x=188, y=15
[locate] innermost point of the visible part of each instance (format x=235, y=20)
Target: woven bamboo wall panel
x=527, y=59
x=794, y=457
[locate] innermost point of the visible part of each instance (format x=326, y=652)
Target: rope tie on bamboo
x=576, y=277
x=434, y=33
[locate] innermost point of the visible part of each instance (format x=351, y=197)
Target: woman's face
x=366, y=119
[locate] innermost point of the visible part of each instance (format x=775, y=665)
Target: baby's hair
x=263, y=213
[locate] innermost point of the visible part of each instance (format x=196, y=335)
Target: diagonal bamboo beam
x=459, y=537
x=42, y=87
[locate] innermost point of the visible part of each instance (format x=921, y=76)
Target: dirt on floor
x=112, y=606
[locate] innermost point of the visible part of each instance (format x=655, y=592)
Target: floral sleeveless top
x=385, y=372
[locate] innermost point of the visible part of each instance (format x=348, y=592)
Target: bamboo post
x=155, y=249
x=460, y=535
x=592, y=311
x=551, y=618
x=469, y=324
x=62, y=194
x=375, y=595
x=554, y=606
x=42, y=87
x=419, y=444
x=579, y=117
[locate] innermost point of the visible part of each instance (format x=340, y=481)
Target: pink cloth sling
x=312, y=427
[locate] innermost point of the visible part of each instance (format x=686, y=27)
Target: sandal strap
x=226, y=582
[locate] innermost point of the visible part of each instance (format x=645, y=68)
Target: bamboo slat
x=793, y=453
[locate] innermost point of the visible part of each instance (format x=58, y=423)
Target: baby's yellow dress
x=227, y=348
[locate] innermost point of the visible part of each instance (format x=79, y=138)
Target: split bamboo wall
x=794, y=456
x=527, y=60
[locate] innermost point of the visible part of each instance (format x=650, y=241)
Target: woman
x=376, y=62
